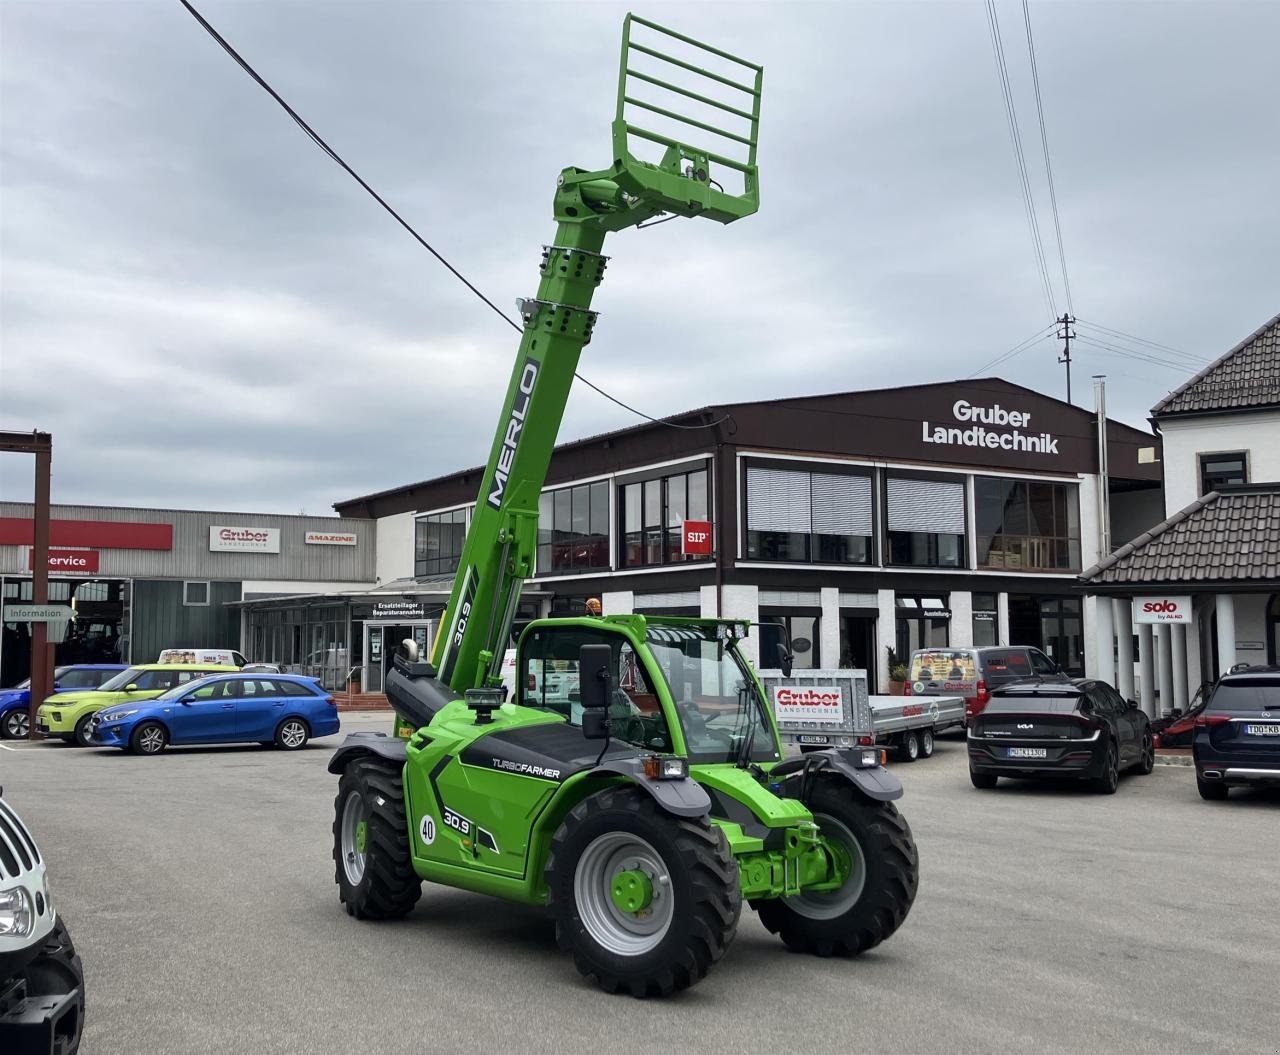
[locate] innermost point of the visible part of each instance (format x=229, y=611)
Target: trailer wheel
x=926, y=742
x=371, y=853
x=646, y=902
x=884, y=872
x=908, y=747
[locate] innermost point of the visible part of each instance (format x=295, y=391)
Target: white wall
x=291, y=586
x=743, y=602
x=395, y=547
x=1258, y=434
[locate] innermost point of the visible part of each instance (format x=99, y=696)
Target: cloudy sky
x=206, y=312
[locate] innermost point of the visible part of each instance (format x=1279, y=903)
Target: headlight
x=17, y=914
x=116, y=716
x=656, y=768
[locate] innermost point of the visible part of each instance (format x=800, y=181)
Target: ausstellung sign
x=1007, y=435
x=230, y=538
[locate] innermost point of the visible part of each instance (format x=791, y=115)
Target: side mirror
x=1133, y=704
x=57, y=684
x=595, y=688
x=185, y=701
x=131, y=687
x=785, y=660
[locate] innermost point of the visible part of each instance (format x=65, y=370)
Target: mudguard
x=680, y=798
x=376, y=745
x=875, y=782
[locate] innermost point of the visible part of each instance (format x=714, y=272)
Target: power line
x=1048, y=166
x=1015, y=137
x=337, y=159
x=1016, y=350
x=1131, y=354
x=1143, y=341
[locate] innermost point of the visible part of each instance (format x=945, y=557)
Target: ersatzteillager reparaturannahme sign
x=1007, y=434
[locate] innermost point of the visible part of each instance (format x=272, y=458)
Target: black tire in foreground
x=983, y=781
x=374, y=865
x=16, y=725
x=149, y=738
x=1109, y=779
x=686, y=916
x=56, y=972
x=880, y=890
x=1211, y=790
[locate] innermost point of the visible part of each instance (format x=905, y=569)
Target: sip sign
x=1162, y=609
x=808, y=703
x=697, y=538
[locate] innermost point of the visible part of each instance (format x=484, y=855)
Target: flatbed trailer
x=909, y=724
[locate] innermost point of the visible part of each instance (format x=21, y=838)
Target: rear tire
x=1107, y=782
x=926, y=742
x=56, y=971
x=16, y=725
x=1147, y=760
x=378, y=882
x=292, y=734
x=908, y=747
x=1211, y=790
x=80, y=737
x=660, y=948
x=885, y=866
x=983, y=781
x=150, y=738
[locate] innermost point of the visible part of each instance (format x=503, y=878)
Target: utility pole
x=1066, y=337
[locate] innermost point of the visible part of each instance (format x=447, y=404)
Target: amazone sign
x=1007, y=432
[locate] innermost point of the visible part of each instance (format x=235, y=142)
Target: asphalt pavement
x=199, y=888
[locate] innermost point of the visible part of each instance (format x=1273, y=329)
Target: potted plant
x=897, y=672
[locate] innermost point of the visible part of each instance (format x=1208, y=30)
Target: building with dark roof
x=1201, y=589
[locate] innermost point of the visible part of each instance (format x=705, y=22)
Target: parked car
x=1081, y=729
x=1237, y=736
x=67, y=716
x=226, y=656
x=263, y=668
x=285, y=710
x=1178, y=729
x=975, y=673
x=15, y=703
x=41, y=977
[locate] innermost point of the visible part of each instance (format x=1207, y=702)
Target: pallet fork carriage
x=635, y=783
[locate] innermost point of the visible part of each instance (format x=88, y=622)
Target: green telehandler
x=634, y=784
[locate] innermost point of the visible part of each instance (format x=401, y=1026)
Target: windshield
x=125, y=677
x=25, y=683
x=719, y=706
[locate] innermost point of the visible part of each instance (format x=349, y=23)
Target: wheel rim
x=913, y=747
x=18, y=725
x=350, y=833
x=833, y=903
x=151, y=740
x=619, y=858
x=293, y=734
x=926, y=741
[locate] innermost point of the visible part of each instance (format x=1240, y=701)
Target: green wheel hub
x=632, y=890
x=362, y=837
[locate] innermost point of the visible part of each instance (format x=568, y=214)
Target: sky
x=208, y=313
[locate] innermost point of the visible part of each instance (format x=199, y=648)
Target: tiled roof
x=1229, y=535
x=1248, y=376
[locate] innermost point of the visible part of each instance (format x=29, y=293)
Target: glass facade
x=923, y=622
x=986, y=630
x=801, y=629
x=1027, y=525
x=653, y=516
x=438, y=540
x=807, y=517
x=573, y=529
x=307, y=639
x=925, y=520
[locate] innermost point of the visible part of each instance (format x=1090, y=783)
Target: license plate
x=814, y=739
x=1262, y=730
x=1027, y=752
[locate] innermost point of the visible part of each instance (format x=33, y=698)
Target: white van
x=202, y=655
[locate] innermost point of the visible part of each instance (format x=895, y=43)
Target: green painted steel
x=632, y=890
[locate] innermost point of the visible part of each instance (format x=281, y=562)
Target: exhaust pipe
x=1211, y=774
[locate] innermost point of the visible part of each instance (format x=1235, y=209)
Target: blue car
x=282, y=709
x=15, y=703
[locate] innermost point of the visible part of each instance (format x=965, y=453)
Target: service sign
x=809, y=703
x=230, y=538
x=697, y=538
x=331, y=538
x=1166, y=608
x=67, y=561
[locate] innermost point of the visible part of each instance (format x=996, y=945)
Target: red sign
x=101, y=534
x=697, y=538
x=67, y=560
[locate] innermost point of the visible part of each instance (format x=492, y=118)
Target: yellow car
x=67, y=714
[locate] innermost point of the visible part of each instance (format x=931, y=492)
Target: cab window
x=1041, y=663
x=549, y=680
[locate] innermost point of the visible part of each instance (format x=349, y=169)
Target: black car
x=1081, y=729
x=1237, y=736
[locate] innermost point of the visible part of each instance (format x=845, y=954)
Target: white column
x=1122, y=613
x=1165, y=659
x=961, y=629
x=1002, y=618
x=707, y=602
x=886, y=635
x=1147, y=669
x=1104, y=662
x=743, y=602
x=829, y=628
x=618, y=602
x=1178, y=661
x=1226, y=633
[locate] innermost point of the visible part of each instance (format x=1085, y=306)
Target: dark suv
x=1081, y=729
x=975, y=673
x=1237, y=736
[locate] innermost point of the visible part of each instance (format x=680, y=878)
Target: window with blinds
x=925, y=522
x=795, y=515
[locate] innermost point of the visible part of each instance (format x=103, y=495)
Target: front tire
x=884, y=873
x=374, y=865
x=16, y=725
x=80, y=736
x=292, y=734
x=618, y=849
x=150, y=738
